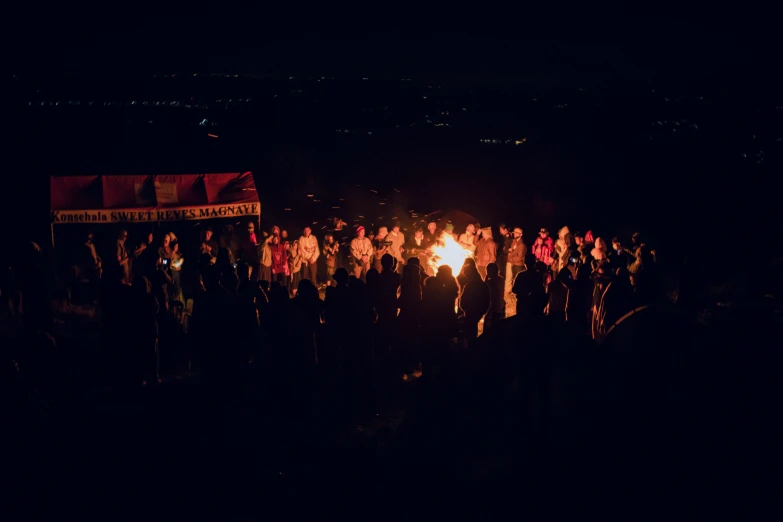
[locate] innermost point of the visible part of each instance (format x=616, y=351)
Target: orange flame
x=448, y=252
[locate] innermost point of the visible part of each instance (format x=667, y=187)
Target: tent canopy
x=181, y=197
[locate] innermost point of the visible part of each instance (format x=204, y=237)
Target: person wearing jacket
x=544, y=247
x=280, y=269
x=516, y=257
x=563, y=248
x=467, y=240
x=308, y=245
x=486, y=251
x=380, y=247
x=599, y=254
x=295, y=266
x=504, y=243
x=361, y=250
x=417, y=247
x=330, y=251
x=397, y=245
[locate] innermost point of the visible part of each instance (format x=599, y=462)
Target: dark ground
x=469, y=436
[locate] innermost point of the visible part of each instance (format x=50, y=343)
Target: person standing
x=397, y=245
x=417, y=247
x=208, y=243
x=122, y=256
x=380, y=245
x=295, y=266
x=497, y=299
x=343, y=239
x=544, y=247
x=308, y=244
x=486, y=251
x=280, y=270
x=177, y=260
x=564, y=249
x=516, y=257
x=248, y=253
x=361, y=250
x=330, y=250
x=504, y=243
x=93, y=266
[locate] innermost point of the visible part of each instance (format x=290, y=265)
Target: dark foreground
x=594, y=427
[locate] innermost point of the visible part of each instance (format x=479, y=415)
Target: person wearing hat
x=564, y=248
x=432, y=234
x=516, y=258
x=636, y=244
x=449, y=229
x=361, y=250
x=544, y=247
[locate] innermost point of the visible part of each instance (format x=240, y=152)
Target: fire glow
x=448, y=252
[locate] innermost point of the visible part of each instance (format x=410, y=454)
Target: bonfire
x=448, y=252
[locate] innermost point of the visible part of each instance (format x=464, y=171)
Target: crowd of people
x=378, y=286
x=331, y=324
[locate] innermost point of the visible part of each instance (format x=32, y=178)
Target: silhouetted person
x=474, y=301
x=528, y=288
x=373, y=281
x=388, y=284
x=304, y=322
x=249, y=251
x=558, y=292
x=144, y=333
x=305, y=318
x=616, y=301
x=337, y=302
x=410, y=306
x=468, y=270
x=497, y=299
x=213, y=323
x=438, y=324
x=337, y=314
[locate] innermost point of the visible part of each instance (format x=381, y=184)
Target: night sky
x=493, y=46
x=689, y=49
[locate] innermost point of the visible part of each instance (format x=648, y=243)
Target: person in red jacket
x=544, y=247
x=280, y=270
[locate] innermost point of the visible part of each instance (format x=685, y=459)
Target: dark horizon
x=569, y=44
